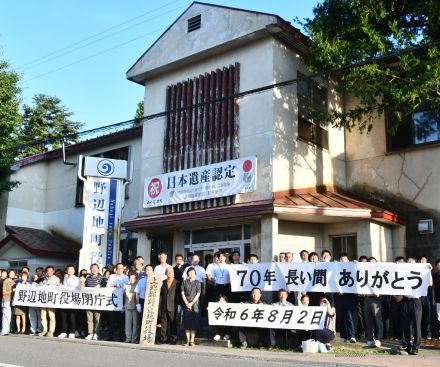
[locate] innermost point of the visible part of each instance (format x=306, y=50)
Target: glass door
x=203, y=249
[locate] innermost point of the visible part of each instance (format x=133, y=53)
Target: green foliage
x=357, y=37
x=10, y=119
x=44, y=123
x=139, y=113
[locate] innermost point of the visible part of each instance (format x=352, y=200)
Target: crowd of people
x=188, y=287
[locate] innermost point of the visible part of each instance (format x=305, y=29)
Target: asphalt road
x=28, y=351
x=44, y=352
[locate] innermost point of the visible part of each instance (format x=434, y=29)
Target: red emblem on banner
x=154, y=188
x=247, y=165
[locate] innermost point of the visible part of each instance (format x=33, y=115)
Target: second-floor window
x=419, y=128
x=312, y=97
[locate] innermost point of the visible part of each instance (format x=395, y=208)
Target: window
x=311, y=97
x=419, y=128
x=17, y=264
x=194, y=23
x=345, y=244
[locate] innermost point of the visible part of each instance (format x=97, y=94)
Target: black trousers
x=168, y=322
x=68, y=318
x=412, y=321
x=117, y=321
x=261, y=334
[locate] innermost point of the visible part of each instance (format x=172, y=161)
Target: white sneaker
x=377, y=343
x=89, y=337
x=217, y=337
x=95, y=337
x=370, y=343
x=71, y=336
x=226, y=337
x=352, y=340
x=62, y=335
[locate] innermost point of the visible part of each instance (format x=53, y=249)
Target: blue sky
x=80, y=50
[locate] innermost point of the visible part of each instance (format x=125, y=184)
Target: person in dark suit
x=169, y=300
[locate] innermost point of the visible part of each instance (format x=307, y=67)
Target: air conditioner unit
x=426, y=226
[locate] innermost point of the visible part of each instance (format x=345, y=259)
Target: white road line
x=8, y=365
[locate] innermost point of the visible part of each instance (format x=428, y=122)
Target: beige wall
x=297, y=164
x=297, y=236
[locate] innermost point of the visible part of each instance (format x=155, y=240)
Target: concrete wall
x=297, y=236
x=296, y=163
x=255, y=113
x=406, y=181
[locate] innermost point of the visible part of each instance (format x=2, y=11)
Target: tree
x=45, y=123
x=139, y=113
x=386, y=54
x=10, y=119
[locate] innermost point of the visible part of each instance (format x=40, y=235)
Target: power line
x=105, y=51
x=103, y=38
x=95, y=35
x=243, y=94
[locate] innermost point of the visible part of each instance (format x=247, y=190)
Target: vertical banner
x=151, y=309
x=103, y=200
x=103, y=205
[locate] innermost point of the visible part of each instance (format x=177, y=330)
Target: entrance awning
x=314, y=205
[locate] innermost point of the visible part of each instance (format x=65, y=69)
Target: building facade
x=211, y=73
x=49, y=197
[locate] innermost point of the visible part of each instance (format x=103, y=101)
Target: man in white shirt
x=162, y=267
x=283, y=302
x=219, y=275
x=117, y=280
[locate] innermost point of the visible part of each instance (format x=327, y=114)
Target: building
x=48, y=203
x=219, y=60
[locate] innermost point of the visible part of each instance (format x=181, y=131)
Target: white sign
x=333, y=277
x=103, y=205
x=89, y=298
x=267, y=316
x=200, y=183
x=104, y=167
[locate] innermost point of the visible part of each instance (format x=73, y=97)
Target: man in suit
x=169, y=300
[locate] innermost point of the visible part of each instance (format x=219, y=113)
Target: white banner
x=103, y=200
x=266, y=316
x=89, y=298
x=333, y=277
x=199, y=183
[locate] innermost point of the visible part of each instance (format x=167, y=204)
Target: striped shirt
x=98, y=281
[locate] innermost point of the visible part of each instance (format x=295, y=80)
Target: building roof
x=83, y=146
x=331, y=202
x=224, y=28
x=41, y=243
x=317, y=205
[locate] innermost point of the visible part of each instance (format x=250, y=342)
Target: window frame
x=408, y=123
x=317, y=131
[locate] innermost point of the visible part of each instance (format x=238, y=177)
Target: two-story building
x=212, y=72
x=45, y=213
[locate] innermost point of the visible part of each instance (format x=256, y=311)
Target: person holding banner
x=261, y=332
x=117, y=280
x=169, y=300
x=373, y=317
x=191, y=290
x=282, y=296
x=69, y=316
x=93, y=316
x=50, y=279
